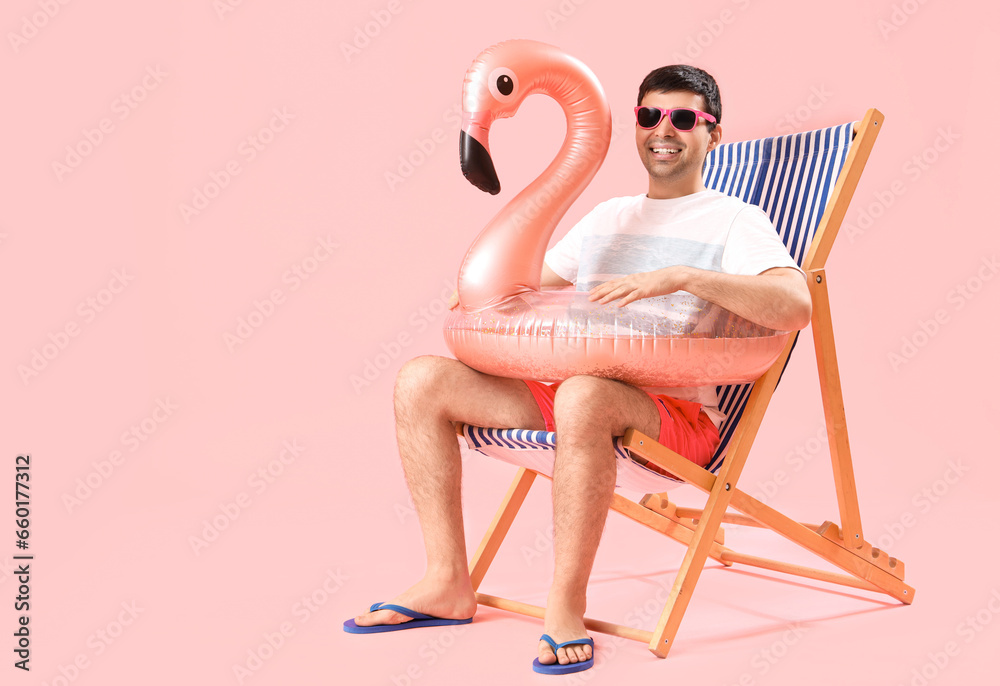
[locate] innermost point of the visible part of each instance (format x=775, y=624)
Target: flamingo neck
x=506, y=259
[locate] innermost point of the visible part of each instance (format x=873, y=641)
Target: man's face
x=674, y=158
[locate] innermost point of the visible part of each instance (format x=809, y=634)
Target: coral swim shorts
x=684, y=427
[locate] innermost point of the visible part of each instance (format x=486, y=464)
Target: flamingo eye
x=503, y=84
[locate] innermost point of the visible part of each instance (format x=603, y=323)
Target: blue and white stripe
x=791, y=179
x=536, y=451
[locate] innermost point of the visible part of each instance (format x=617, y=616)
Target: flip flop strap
x=577, y=641
x=400, y=609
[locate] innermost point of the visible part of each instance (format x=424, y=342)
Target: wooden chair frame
x=700, y=529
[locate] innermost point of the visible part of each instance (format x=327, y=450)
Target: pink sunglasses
x=681, y=118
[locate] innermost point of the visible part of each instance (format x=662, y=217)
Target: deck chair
x=804, y=182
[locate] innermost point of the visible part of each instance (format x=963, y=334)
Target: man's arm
x=550, y=278
x=777, y=298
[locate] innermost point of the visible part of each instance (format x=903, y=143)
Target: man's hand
x=637, y=286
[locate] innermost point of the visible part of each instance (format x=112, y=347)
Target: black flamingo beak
x=477, y=165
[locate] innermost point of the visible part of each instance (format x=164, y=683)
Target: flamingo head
x=496, y=84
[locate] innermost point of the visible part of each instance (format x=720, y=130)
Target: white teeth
x=663, y=151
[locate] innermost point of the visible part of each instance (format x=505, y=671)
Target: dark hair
x=682, y=77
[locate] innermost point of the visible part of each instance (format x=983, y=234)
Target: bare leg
x=430, y=394
x=589, y=412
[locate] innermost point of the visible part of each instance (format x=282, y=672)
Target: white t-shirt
x=707, y=230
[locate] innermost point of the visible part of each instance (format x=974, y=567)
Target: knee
x=419, y=378
x=424, y=370
x=581, y=401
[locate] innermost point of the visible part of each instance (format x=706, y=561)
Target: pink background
x=171, y=420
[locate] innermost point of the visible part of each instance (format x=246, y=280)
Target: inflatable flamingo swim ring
x=504, y=324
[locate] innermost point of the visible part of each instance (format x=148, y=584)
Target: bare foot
x=447, y=599
x=563, y=625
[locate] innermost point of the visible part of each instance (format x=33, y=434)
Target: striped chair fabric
x=791, y=179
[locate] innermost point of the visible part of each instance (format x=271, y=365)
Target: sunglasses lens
x=648, y=117
x=683, y=120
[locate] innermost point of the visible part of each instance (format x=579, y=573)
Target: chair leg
x=500, y=525
x=833, y=409
x=720, y=493
x=690, y=570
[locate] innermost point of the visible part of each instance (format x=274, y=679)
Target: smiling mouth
x=665, y=152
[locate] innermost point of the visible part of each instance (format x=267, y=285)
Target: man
x=710, y=245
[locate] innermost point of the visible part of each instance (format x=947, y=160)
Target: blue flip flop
x=418, y=620
x=569, y=668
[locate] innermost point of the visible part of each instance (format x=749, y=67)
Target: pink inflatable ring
x=504, y=324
